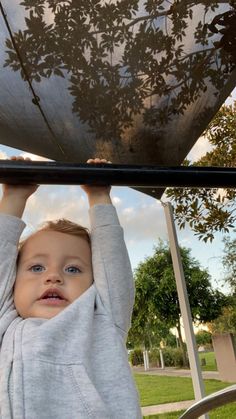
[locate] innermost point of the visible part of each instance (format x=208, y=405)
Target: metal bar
x=196, y=373
x=217, y=399
x=60, y=173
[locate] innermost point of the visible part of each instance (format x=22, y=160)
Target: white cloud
x=34, y=157
x=3, y=155
x=128, y=211
x=186, y=241
x=116, y=200
x=201, y=147
x=143, y=222
x=230, y=100
x=50, y=203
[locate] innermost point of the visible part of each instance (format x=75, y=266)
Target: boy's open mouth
x=52, y=296
x=52, y=301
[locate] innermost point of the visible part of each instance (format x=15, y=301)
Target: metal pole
x=196, y=373
x=60, y=173
x=162, y=360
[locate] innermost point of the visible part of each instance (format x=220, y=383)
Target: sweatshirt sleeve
x=10, y=230
x=111, y=265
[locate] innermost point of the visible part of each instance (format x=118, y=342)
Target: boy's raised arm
x=14, y=197
x=97, y=194
x=12, y=206
x=111, y=265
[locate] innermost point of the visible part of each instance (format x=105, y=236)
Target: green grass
x=154, y=389
x=224, y=412
x=171, y=415
x=210, y=361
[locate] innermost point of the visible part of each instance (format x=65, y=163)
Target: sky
x=141, y=216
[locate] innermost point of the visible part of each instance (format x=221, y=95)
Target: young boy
x=65, y=310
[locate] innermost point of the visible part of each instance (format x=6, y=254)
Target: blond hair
x=62, y=226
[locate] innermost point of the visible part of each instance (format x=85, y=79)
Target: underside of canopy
x=135, y=82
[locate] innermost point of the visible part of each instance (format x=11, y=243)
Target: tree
x=229, y=262
x=210, y=210
x=157, y=298
x=147, y=329
x=203, y=337
x=226, y=322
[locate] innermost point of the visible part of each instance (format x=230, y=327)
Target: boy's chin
x=43, y=313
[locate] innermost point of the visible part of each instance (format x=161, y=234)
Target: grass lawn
x=224, y=412
x=154, y=389
x=210, y=361
x=171, y=415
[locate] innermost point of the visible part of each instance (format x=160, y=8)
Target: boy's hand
x=15, y=196
x=97, y=194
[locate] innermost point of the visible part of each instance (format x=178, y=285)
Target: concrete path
x=167, y=407
x=173, y=372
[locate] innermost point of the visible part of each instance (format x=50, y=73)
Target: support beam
x=196, y=373
x=149, y=177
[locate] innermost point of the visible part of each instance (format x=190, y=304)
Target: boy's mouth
x=52, y=296
x=52, y=301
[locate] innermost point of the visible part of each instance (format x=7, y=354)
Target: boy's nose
x=54, y=277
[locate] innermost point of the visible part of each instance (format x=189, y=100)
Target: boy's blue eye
x=37, y=268
x=73, y=270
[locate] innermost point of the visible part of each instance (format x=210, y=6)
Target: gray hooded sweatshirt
x=74, y=365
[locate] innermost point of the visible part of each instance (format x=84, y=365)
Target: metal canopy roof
x=135, y=82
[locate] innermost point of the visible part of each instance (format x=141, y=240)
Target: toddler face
x=51, y=260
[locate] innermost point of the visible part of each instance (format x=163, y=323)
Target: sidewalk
x=171, y=372
x=167, y=407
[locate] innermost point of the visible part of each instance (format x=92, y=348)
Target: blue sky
x=141, y=216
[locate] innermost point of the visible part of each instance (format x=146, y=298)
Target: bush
x=173, y=357
x=204, y=338
x=169, y=356
x=136, y=356
x=177, y=357
x=154, y=357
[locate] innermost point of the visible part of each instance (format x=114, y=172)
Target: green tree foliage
x=157, y=307
x=203, y=337
x=210, y=210
x=171, y=340
x=229, y=262
x=226, y=322
x=148, y=329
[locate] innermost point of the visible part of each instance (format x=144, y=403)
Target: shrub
x=154, y=357
x=173, y=357
x=136, y=356
x=204, y=338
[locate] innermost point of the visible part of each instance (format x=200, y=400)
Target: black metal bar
x=59, y=173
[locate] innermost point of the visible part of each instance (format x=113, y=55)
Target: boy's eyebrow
x=37, y=255
x=43, y=255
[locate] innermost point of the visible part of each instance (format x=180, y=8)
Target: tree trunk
x=181, y=344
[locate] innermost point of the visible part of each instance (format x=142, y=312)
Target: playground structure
x=135, y=82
